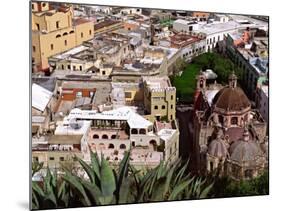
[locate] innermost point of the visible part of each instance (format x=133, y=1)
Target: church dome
x=217, y=148
x=231, y=99
x=244, y=151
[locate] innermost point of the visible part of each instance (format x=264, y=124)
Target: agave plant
x=51, y=193
x=166, y=183
x=103, y=185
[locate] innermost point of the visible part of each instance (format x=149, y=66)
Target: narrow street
x=184, y=115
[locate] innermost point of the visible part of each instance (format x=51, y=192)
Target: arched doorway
x=95, y=136
x=134, y=131
x=142, y=131
x=122, y=146
x=152, y=144
x=111, y=146
x=104, y=136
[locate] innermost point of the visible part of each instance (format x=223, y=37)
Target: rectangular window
x=80, y=68
x=32, y=6
x=68, y=67
x=128, y=94
x=33, y=48
x=74, y=67
x=65, y=42
x=61, y=158
x=171, y=117
x=172, y=106
x=52, y=47
x=81, y=34
x=62, y=67
x=51, y=158
x=35, y=159
x=57, y=24
x=90, y=32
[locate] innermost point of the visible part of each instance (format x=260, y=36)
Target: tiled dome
x=217, y=148
x=231, y=99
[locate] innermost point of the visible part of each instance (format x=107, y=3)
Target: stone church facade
x=229, y=136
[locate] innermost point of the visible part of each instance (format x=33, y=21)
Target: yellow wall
x=48, y=44
x=88, y=31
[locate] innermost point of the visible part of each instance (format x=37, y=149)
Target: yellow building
x=160, y=98
x=54, y=30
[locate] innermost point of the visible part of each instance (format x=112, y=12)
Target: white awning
x=40, y=97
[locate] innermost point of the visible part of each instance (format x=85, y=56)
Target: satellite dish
x=75, y=124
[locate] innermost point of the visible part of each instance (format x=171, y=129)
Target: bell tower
x=201, y=81
x=232, y=80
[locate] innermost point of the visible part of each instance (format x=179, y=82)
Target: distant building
x=250, y=53
x=54, y=30
x=216, y=30
x=189, y=45
x=201, y=16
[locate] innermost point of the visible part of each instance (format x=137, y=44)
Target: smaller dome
x=217, y=148
x=245, y=151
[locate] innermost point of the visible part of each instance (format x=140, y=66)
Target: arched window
x=122, y=146
x=142, y=131
x=111, y=146
x=96, y=136
x=234, y=120
x=58, y=35
x=113, y=136
x=156, y=107
x=153, y=144
x=134, y=131
x=211, y=166
x=104, y=136
x=64, y=34
x=71, y=32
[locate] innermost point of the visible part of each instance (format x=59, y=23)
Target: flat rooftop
x=105, y=23
x=183, y=39
x=78, y=85
x=156, y=83
x=79, y=21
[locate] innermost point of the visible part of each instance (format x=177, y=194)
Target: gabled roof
x=40, y=97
